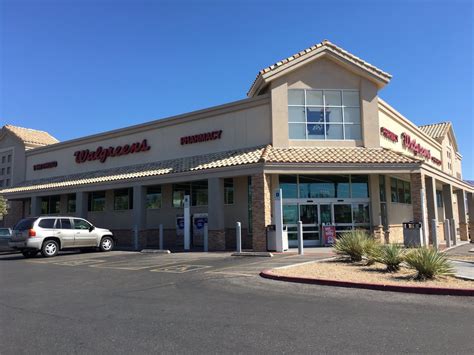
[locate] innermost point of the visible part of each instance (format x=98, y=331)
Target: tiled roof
x=173, y=166
x=332, y=155
x=31, y=136
x=333, y=48
x=436, y=130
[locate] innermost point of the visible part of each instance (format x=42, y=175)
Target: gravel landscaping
x=342, y=270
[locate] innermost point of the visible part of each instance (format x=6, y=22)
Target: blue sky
x=75, y=68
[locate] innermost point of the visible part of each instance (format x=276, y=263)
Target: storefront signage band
x=202, y=137
x=48, y=165
x=101, y=154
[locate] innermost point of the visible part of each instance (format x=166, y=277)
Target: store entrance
x=314, y=215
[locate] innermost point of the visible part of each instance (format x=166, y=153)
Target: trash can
x=412, y=234
x=271, y=237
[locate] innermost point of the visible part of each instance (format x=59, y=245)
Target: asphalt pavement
x=123, y=302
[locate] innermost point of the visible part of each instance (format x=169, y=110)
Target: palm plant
x=429, y=263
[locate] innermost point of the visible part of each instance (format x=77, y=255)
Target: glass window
x=350, y=98
x=50, y=204
x=123, y=199
x=324, y=186
x=342, y=214
x=289, y=186
x=229, y=191
x=47, y=223
x=400, y=191
x=352, y=131
x=439, y=198
x=296, y=97
x=9, y=158
x=360, y=213
x=199, y=193
x=393, y=190
x=314, y=97
x=71, y=203
x=179, y=191
x=81, y=224
x=297, y=131
x=66, y=223
x=290, y=214
x=153, y=197
x=334, y=131
x=25, y=224
x=7, y=183
x=383, y=196
x=8, y=170
x=360, y=186
x=296, y=114
x=407, y=192
x=96, y=201
x=333, y=114
x=332, y=97
x=317, y=116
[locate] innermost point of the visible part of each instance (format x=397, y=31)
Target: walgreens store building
x=312, y=125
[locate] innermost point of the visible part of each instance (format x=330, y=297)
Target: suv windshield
x=4, y=232
x=25, y=224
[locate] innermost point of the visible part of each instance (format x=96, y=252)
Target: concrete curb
x=252, y=253
x=155, y=251
x=268, y=274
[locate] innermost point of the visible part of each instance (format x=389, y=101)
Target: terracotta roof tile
x=436, y=130
x=332, y=155
x=31, y=136
x=263, y=155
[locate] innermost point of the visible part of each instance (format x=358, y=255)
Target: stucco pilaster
x=261, y=210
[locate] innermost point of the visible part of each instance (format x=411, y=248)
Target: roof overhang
x=323, y=50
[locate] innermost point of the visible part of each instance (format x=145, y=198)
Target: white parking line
x=180, y=268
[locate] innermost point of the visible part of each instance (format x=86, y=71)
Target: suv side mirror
x=91, y=228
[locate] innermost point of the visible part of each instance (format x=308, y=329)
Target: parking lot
x=122, y=302
x=176, y=263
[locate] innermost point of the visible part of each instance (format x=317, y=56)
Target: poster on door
x=329, y=235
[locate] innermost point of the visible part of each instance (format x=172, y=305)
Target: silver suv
x=51, y=234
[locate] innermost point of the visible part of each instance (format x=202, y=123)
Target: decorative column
x=35, y=206
x=81, y=204
x=430, y=184
x=261, y=210
x=448, y=204
x=462, y=211
x=215, y=219
x=470, y=206
x=418, y=201
x=375, y=216
x=139, y=217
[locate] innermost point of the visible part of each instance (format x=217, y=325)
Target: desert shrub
x=372, y=250
x=429, y=263
x=391, y=255
x=352, y=244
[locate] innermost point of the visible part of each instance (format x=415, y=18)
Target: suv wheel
x=29, y=253
x=50, y=248
x=106, y=244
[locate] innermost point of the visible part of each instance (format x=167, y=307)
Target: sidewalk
x=460, y=256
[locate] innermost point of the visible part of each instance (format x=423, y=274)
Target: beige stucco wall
x=11, y=145
x=323, y=73
x=398, y=126
x=242, y=127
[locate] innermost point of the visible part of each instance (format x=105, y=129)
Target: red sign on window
x=329, y=235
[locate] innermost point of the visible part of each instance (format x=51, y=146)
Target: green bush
x=352, y=244
x=391, y=255
x=429, y=263
x=372, y=250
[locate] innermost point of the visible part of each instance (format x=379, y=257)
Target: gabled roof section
x=439, y=130
x=30, y=137
x=324, y=48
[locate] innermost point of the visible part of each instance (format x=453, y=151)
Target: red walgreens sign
x=101, y=154
x=416, y=148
